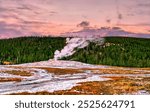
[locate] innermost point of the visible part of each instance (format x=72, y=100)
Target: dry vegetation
x=10, y=79
x=18, y=72
x=61, y=71
x=118, y=85
x=109, y=70
x=118, y=70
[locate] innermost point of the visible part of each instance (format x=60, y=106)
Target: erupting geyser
x=76, y=42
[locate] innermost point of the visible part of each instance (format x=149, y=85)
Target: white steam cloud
x=76, y=42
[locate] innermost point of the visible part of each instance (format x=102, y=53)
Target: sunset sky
x=53, y=17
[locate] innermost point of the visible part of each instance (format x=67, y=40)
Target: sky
x=54, y=17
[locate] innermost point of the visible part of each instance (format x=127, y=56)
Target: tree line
x=29, y=49
x=117, y=51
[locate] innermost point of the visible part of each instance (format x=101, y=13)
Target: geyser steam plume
x=76, y=42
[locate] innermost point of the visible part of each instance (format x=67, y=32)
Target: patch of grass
x=118, y=70
x=147, y=87
x=62, y=92
x=10, y=79
x=18, y=72
x=61, y=71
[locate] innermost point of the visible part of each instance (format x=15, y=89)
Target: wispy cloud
x=24, y=17
x=139, y=24
x=24, y=7
x=9, y=30
x=84, y=24
x=147, y=4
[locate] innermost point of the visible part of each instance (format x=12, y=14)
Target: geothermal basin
x=70, y=77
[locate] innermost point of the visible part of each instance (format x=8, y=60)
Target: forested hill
x=29, y=49
x=116, y=51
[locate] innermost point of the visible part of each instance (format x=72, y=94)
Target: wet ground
x=68, y=77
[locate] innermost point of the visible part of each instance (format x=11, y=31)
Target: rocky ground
x=69, y=77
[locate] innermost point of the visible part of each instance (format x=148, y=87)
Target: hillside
x=116, y=51
x=29, y=49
